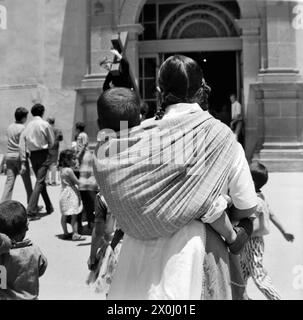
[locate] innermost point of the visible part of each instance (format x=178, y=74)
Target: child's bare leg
x=64, y=224
x=74, y=223
x=76, y=236
x=224, y=227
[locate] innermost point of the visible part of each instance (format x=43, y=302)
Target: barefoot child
x=252, y=255
x=24, y=262
x=70, y=202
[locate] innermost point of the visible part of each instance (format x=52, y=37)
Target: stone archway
x=249, y=24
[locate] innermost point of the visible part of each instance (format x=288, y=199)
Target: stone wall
x=43, y=58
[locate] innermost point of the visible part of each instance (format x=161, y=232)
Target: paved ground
x=67, y=271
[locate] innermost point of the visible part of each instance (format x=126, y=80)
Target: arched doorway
x=203, y=30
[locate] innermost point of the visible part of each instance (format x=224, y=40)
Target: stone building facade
x=50, y=52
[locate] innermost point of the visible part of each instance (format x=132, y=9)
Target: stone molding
x=249, y=27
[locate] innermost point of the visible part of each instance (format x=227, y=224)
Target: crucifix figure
x=119, y=71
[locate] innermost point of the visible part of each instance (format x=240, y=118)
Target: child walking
x=70, y=202
x=23, y=261
x=252, y=255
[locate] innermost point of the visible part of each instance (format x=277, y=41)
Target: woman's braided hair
x=181, y=81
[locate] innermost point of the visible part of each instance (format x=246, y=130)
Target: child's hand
x=23, y=169
x=289, y=237
x=92, y=263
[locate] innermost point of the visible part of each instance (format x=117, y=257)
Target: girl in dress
x=70, y=201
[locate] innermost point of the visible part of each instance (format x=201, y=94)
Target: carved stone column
x=251, y=65
x=279, y=95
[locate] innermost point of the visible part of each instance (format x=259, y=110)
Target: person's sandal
x=244, y=230
x=77, y=237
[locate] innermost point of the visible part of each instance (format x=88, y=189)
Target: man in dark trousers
x=38, y=137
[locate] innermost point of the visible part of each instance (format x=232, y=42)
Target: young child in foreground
x=105, y=247
x=252, y=255
x=70, y=201
x=122, y=104
x=23, y=261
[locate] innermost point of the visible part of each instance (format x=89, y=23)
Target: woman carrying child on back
x=160, y=198
x=70, y=201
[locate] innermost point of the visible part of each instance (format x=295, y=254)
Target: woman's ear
x=99, y=123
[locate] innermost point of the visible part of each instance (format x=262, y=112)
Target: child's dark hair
x=20, y=114
x=38, y=110
x=65, y=158
x=259, y=174
x=181, y=80
x=116, y=105
x=80, y=126
x=144, y=109
x=13, y=219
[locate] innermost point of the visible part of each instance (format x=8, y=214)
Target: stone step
x=287, y=165
x=281, y=160
x=281, y=154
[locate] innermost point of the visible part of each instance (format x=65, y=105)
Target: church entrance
x=203, y=30
x=221, y=73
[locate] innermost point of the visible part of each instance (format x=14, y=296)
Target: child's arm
x=73, y=178
x=277, y=223
x=5, y=243
x=98, y=233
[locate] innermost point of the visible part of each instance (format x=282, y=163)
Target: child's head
x=21, y=115
x=80, y=127
x=67, y=158
x=116, y=105
x=233, y=98
x=144, y=110
x=259, y=174
x=13, y=220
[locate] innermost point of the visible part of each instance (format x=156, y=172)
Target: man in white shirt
x=38, y=137
x=236, y=116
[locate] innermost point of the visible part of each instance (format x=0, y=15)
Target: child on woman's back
x=70, y=202
x=252, y=255
x=121, y=104
x=24, y=262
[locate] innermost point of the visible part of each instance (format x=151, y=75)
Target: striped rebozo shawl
x=159, y=176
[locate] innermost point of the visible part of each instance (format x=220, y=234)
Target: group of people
x=175, y=209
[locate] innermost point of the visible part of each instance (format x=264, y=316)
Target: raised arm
x=279, y=226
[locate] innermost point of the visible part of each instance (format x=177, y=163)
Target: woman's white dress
x=172, y=268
